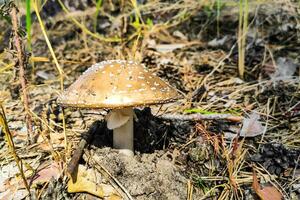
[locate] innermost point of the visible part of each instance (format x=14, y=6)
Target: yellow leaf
x=86, y=181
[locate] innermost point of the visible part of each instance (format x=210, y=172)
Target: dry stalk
x=58, y=68
x=11, y=145
x=242, y=34
x=84, y=29
x=21, y=59
x=199, y=117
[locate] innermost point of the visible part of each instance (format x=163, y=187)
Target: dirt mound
x=145, y=176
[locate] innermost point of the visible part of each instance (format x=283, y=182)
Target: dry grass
x=207, y=76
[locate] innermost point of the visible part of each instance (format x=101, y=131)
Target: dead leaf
x=45, y=146
x=45, y=173
x=86, y=181
x=285, y=67
x=165, y=48
x=270, y=193
x=218, y=42
x=13, y=188
x=44, y=75
x=13, y=193
x=56, y=138
x=4, y=95
x=266, y=193
x=180, y=35
x=252, y=126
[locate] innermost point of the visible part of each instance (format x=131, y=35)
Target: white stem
x=123, y=135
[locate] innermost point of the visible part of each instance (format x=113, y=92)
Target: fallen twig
x=72, y=166
x=21, y=59
x=198, y=117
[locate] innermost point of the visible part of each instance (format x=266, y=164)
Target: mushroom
x=118, y=85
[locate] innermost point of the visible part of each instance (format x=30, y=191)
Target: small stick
x=73, y=164
x=22, y=63
x=198, y=117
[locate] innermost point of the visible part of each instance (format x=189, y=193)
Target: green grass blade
x=98, y=6
x=28, y=23
x=218, y=16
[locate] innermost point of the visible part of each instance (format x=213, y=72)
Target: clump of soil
x=145, y=176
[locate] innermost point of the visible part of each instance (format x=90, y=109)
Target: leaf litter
x=251, y=126
x=188, y=53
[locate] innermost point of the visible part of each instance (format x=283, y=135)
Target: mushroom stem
x=123, y=135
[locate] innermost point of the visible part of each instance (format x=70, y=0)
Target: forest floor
x=233, y=135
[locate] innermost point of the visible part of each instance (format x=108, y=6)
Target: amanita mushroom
x=118, y=85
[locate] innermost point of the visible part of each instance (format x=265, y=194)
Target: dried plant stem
x=21, y=60
x=84, y=29
x=198, y=117
x=58, y=68
x=10, y=143
x=243, y=28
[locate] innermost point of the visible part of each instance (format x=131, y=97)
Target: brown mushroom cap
x=117, y=84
